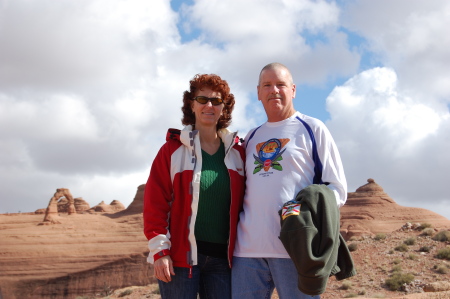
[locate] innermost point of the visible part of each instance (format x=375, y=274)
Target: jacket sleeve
x=158, y=195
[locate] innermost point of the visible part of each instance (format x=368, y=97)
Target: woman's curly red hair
x=216, y=84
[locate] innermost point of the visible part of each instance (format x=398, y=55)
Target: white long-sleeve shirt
x=279, y=164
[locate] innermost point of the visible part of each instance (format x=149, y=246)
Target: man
x=279, y=163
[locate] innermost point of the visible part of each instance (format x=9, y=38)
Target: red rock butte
x=369, y=211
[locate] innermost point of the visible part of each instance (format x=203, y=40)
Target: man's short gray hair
x=275, y=65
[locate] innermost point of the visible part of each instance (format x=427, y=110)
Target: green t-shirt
x=213, y=216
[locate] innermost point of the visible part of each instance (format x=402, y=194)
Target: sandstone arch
x=52, y=208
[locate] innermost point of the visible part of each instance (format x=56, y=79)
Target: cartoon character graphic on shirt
x=270, y=154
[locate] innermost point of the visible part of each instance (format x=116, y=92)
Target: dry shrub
x=402, y=248
x=427, y=232
x=126, y=293
x=424, y=226
x=412, y=257
x=352, y=246
x=379, y=237
x=346, y=285
x=442, y=236
x=398, y=279
x=442, y=269
x=397, y=261
x=397, y=269
x=410, y=241
x=444, y=253
x=425, y=249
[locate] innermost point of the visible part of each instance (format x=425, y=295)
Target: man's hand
x=163, y=268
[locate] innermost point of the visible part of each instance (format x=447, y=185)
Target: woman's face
x=207, y=114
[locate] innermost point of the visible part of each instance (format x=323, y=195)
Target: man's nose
x=274, y=89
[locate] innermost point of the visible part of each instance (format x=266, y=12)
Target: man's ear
x=257, y=92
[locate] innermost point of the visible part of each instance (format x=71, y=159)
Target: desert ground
x=375, y=261
x=98, y=254
x=83, y=253
x=38, y=254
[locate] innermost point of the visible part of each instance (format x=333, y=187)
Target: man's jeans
x=257, y=277
x=211, y=278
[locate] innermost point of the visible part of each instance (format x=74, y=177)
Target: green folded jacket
x=310, y=232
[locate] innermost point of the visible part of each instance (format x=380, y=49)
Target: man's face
x=276, y=91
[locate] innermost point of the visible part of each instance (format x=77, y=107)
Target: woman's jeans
x=211, y=278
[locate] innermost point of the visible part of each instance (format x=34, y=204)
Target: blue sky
x=89, y=88
x=312, y=97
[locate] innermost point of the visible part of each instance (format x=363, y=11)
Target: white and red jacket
x=172, y=192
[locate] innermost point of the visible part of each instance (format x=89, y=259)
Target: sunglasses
x=203, y=100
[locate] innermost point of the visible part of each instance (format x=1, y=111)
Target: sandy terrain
x=374, y=261
x=32, y=255
x=103, y=255
x=31, y=252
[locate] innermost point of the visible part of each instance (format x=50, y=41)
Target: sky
x=88, y=88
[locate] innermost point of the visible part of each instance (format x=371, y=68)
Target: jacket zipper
x=231, y=200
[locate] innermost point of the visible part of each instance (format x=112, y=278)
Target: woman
x=194, y=194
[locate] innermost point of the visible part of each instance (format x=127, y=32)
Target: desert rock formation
x=138, y=202
x=81, y=205
x=52, y=209
x=63, y=206
x=369, y=210
x=113, y=207
x=117, y=205
x=136, y=205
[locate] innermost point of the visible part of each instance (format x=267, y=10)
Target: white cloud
x=277, y=20
x=411, y=37
x=251, y=35
x=384, y=134
x=393, y=122
x=373, y=99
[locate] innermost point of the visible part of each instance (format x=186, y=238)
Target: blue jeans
x=257, y=277
x=211, y=279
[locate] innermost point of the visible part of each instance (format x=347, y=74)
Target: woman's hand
x=163, y=268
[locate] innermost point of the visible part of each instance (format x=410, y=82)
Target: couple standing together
x=211, y=206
